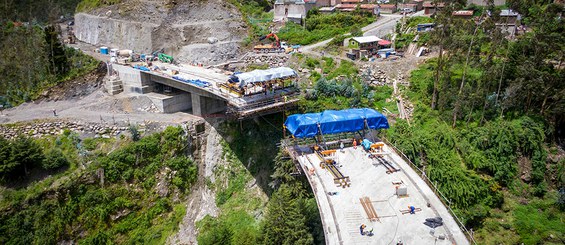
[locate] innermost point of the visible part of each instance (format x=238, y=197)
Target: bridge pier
x=202, y=105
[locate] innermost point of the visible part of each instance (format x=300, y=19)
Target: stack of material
x=434, y=222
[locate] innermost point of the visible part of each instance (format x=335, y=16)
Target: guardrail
x=434, y=188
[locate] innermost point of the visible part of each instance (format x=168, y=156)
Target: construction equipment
x=276, y=47
x=159, y=54
x=165, y=58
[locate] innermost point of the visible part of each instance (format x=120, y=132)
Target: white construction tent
x=258, y=76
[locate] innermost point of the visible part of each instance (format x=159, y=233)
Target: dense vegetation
x=289, y=212
x=116, y=191
x=32, y=58
x=36, y=11
x=488, y=112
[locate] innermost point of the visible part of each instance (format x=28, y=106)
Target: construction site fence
x=441, y=196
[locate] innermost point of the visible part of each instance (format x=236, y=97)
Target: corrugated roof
x=367, y=39
x=463, y=13
x=508, y=12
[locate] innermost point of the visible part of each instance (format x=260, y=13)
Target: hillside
x=208, y=32
x=485, y=126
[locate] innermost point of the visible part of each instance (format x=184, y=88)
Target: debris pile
x=273, y=60
x=373, y=75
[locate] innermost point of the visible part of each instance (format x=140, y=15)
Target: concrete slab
x=343, y=214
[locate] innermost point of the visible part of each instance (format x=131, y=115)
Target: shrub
x=54, y=159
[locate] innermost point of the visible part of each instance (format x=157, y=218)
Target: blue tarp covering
x=196, y=82
x=332, y=122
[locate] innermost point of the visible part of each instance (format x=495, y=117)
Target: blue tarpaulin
x=333, y=122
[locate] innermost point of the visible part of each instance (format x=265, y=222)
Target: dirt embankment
x=76, y=88
x=208, y=31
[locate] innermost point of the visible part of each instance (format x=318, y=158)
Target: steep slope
x=201, y=31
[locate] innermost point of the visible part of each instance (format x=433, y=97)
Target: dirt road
x=96, y=107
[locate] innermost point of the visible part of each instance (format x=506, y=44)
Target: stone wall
x=114, y=33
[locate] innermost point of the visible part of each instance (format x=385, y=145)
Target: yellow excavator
x=276, y=47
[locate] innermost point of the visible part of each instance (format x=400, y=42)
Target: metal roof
x=367, y=39
x=508, y=12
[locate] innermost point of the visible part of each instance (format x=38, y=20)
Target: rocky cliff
x=207, y=31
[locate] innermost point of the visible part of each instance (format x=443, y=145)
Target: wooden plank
x=372, y=209
x=365, y=207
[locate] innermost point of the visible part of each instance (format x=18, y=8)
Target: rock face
x=208, y=32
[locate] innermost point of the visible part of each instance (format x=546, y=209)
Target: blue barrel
x=104, y=50
x=142, y=57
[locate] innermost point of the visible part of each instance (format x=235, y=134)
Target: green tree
x=284, y=221
x=54, y=159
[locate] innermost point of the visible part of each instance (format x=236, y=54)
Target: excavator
x=276, y=47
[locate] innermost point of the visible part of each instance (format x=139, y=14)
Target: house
x=430, y=7
x=413, y=7
x=509, y=16
x=350, y=1
x=508, y=21
x=386, y=8
x=463, y=14
x=419, y=4
x=293, y=10
x=365, y=43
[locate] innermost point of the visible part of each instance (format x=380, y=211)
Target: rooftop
x=366, y=39
x=508, y=12
x=353, y=6
x=371, y=199
x=463, y=13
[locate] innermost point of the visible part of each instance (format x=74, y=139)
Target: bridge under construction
x=208, y=92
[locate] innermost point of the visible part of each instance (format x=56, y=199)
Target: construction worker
x=354, y=143
x=361, y=228
x=412, y=210
x=54, y=112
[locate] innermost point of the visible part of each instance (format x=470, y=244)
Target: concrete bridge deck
x=343, y=214
x=204, y=100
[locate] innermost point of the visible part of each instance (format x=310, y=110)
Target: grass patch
x=320, y=27
x=86, y=5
